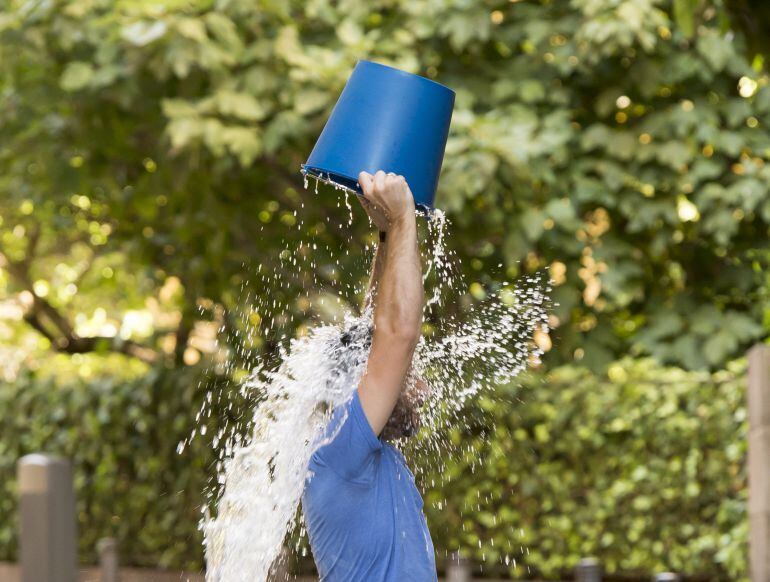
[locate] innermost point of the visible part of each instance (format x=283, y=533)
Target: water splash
x=264, y=457
x=263, y=478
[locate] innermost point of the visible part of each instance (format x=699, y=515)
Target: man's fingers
x=379, y=179
x=366, y=181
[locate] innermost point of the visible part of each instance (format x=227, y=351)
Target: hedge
x=122, y=436
x=644, y=468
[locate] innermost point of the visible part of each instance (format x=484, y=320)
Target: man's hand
x=387, y=199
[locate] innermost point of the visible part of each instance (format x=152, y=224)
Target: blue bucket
x=385, y=119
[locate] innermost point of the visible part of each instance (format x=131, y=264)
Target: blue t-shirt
x=362, y=509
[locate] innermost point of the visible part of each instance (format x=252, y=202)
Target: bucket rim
x=407, y=73
x=318, y=173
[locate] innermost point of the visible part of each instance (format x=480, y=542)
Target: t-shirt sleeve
x=353, y=450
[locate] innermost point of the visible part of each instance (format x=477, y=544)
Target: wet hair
x=350, y=350
x=356, y=331
x=359, y=335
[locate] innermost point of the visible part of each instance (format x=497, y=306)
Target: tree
x=621, y=143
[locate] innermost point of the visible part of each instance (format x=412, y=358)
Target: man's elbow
x=409, y=336
x=402, y=333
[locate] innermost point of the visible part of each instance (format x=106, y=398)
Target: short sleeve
x=353, y=450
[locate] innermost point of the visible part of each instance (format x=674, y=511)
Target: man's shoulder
x=349, y=447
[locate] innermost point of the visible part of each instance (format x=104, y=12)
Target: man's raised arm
x=398, y=295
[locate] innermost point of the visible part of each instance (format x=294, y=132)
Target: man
x=362, y=510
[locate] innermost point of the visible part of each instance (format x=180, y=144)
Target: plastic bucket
x=385, y=119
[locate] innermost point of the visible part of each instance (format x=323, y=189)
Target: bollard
x=108, y=559
x=759, y=468
x=588, y=570
x=458, y=569
x=48, y=540
x=666, y=577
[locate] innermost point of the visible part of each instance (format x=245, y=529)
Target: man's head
x=404, y=421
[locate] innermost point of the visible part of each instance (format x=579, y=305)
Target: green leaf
x=595, y=136
x=183, y=131
x=531, y=91
x=684, y=14
x=674, y=154
x=532, y=223
x=192, y=28
x=561, y=211
x=241, y=105
x=243, y=142
x=76, y=76
x=224, y=30
x=716, y=49
x=178, y=108
x=142, y=33
x=719, y=345
x=308, y=101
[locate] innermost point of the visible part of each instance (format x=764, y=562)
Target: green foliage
x=122, y=438
x=607, y=137
x=643, y=468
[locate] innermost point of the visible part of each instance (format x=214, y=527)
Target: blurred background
x=149, y=160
